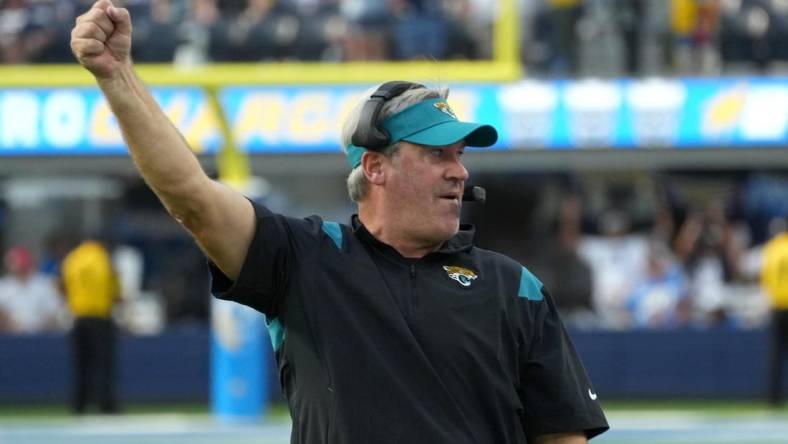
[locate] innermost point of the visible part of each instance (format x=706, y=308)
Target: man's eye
x=437, y=153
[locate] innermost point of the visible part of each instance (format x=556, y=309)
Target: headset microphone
x=474, y=194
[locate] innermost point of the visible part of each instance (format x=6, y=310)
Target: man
x=29, y=301
x=91, y=288
x=394, y=329
x=774, y=279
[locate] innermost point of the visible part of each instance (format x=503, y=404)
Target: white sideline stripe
x=183, y=427
x=641, y=426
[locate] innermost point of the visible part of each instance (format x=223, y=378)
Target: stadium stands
x=560, y=38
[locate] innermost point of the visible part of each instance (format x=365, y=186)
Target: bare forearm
x=161, y=154
x=221, y=219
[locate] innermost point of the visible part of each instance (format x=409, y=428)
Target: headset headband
x=368, y=134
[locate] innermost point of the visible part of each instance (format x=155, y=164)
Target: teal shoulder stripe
x=334, y=231
x=530, y=286
x=276, y=332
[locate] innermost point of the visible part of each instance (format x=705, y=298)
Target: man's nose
x=457, y=171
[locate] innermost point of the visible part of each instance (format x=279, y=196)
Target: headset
x=369, y=135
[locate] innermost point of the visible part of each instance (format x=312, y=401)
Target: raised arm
x=221, y=219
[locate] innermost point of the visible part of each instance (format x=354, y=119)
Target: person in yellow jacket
x=91, y=288
x=774, y=279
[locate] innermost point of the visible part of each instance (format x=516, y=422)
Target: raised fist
x=101, y=39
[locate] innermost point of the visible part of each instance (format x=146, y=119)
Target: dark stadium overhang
x=477, y=161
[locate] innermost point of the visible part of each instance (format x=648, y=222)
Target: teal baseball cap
x=431, y=123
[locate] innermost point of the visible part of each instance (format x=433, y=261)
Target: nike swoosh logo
x=591, y=395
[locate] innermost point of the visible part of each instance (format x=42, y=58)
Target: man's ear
x=372, y=162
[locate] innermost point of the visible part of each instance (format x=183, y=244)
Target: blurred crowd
x=559, y=37
x=649, y=253
x=655, y=37
x=200, y=31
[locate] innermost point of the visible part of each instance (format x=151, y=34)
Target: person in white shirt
x=29, y=300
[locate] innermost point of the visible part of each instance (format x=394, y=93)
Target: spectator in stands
x=694, y=25
x=683, y=17
x=50, y=29
x=14, y=22
x=470, y=28
x=705, y=37
x=200, y=33
x=618, y=262
x=366, y=33
x=419, y=30
x=710, y=248
x=659, y=300
x=320, y=30
x=566, y=272
x=29, y=301
x=91, y=288
x=156, y=37
x=630, y=15
x=564, y=16
x=774, y=278
x=264, y=30
x=433, y=30
x=753, y=33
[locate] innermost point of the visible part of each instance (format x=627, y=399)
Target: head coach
x=394, y=328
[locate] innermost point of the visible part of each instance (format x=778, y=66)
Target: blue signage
x=78, y=121
x=240, y=357
x=309, y=119
x=652, y=113
x=531, y=114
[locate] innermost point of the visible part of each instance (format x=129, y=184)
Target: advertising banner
x=309, y=119
x=531, y=114
x=78, y=121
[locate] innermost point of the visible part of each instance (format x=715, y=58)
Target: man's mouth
x=452, y=196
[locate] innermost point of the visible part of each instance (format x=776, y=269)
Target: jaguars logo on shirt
x=446, y=109
x=460, y=274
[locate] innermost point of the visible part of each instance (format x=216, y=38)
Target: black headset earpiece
x=368, y=134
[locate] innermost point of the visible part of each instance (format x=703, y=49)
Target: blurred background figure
x=617, y=257
x=92, y=290
x=569, y=274
x=29, y=300
x=710, y=247
x=630, y=16
x=659, y=300
x=775, y=282
x=564, y=17
x=156, y=37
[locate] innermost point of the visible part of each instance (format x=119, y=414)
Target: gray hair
x=357, y=183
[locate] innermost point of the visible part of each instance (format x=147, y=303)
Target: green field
x=633, y=422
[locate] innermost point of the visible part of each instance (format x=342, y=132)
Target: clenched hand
x=101, y=39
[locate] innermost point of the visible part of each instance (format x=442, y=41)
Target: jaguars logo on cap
x=445, y=108
x=460, y=274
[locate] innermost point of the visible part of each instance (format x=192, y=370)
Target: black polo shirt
x=463, y=346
